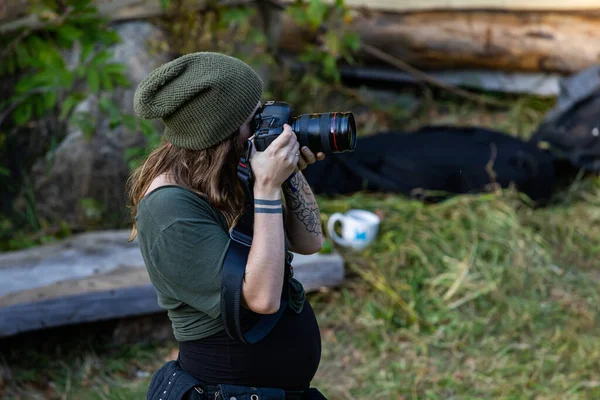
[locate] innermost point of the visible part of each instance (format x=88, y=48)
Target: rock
x=83, y=181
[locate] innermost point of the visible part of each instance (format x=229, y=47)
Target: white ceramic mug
x=359, y=228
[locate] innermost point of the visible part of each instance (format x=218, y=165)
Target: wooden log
x=100, y=275
x=509, y=41
x=420, y=5
x=77, y=309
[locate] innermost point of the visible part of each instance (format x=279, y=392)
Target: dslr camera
x=332, y=132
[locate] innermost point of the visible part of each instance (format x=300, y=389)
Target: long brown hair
x=210, y=172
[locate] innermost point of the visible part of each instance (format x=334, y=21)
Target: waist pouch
x=171, y=382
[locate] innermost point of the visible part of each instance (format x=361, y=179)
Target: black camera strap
x=244, y=174
x=234, y=268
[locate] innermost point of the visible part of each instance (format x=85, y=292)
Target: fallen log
x=420, y=5
x=509, y=41
x=100, y=275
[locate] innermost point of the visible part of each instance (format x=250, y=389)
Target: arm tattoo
x=261, y=202
x=267, y=210
x=267, y=206
x=305, y=210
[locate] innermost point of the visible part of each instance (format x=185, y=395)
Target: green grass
x=477, y=297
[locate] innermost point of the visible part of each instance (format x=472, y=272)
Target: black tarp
x=438, y=158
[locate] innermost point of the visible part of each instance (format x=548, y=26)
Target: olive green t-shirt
x=183, y=240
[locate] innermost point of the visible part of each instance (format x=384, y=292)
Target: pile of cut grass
x=476, y=297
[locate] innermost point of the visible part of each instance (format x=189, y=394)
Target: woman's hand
x=308, y=157
x=274, y=165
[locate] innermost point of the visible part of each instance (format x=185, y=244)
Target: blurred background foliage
x=58, y=66
x=53, y=69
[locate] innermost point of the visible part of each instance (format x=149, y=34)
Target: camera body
x=268, y=122
x=332, y=132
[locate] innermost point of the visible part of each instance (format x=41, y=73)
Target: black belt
x=207, y=392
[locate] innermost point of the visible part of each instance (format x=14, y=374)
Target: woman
x=185, y=199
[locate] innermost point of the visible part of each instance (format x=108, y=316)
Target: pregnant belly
x=287, y=358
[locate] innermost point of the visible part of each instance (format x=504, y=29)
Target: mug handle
x=335, y=217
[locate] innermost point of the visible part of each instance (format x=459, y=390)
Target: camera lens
x=333, y=132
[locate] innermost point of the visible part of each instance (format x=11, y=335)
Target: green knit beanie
x=202, y=98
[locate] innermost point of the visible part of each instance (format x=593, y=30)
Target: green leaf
x=53, y=60
x=105, y=80
x=43, y=79
x=352, y=41
x=121, y=80
x=147, y=128
x=65, y=78
x=257, y=37
x=115, y=73
x=114, y=68
x=22, y=55
x=105, y=104
x=22, y=113
x=80, y=4
x=86, y=51
x=79, y=72
x=93, y=80
x=234, y=15
x=49, y=57
x=298, y=14
x=112, y=109
x=130, y=122
x=24, y=85
x=131, y=156
x=333, y=43
x=49, y=100
x=90, y=20
x=107, y=37
x=69, y=33
x=38, y=104
x=69, y=103
x=84, y=122
x=102, y=57
x=115, y=121
x=330, y=68
x=35, y=44
x=316, y=12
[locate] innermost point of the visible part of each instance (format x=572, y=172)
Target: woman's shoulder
x=168, y=204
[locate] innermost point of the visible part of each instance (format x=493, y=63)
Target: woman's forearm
x=302, y=220
x=264, y=276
